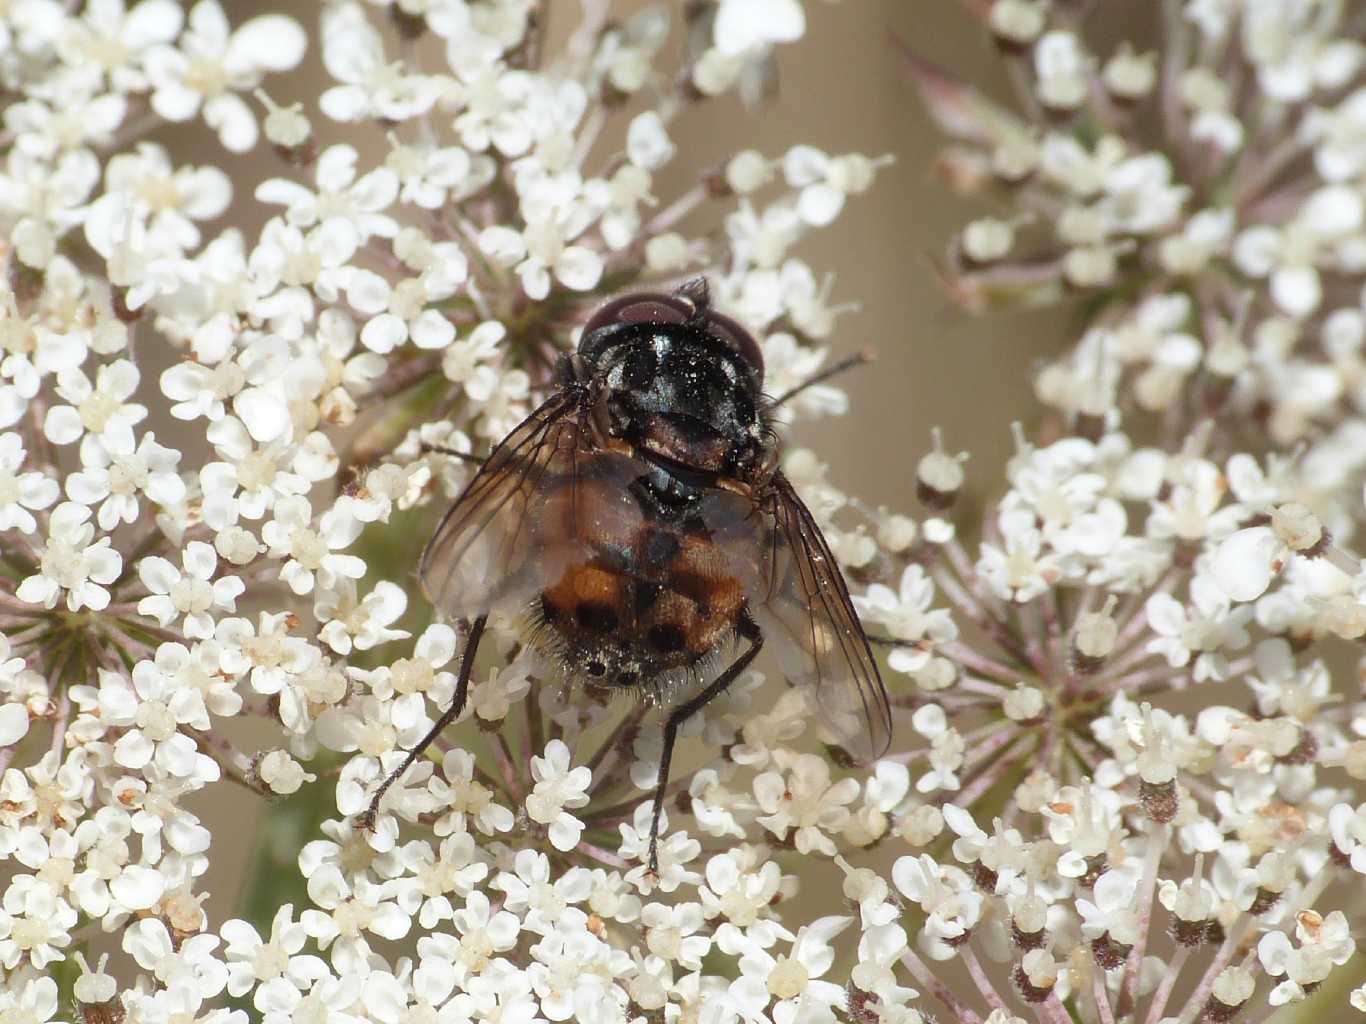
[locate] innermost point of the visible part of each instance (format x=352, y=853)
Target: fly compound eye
x=640, y=308
x=729, y=330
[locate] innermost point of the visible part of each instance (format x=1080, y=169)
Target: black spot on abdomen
x=644, y=594
x=595, y=617
x=666, y=639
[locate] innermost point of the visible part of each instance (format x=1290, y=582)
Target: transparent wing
x=804, y=608
x=487, y=552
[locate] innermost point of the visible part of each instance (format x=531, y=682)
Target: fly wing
x=486, y=554
x=803, y=605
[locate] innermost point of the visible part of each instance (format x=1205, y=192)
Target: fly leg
x=834, y=370
x=462, y=690
x=440, y=449
x=748, y=630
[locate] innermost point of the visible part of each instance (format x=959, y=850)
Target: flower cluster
x=1124, y=782
x=1205, y=201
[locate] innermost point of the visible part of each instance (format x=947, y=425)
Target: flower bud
x=667, y=253
x=987, y=239
x=281, y=773
x=288, y=130
x=1015, y=157
x=1094, y=637
x=96, y=994
x=1024, y=704
x=921, y=825
x=1231, y=990
x=1035, y=791
x=939, y=477
x=896, y=533
x=1355, y=760
x=1298, y=527
x=1028, y=915
x=1036, y=975
x=1130, y=76
x=1015, y=24
x=747, y=171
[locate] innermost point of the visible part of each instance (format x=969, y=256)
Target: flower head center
x=256, y=471
x=155, y=720
x=788, y=978
x=270, y=962
x=97, y=410
x=307, y=548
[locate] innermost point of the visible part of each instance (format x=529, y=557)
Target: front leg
x=462, y=689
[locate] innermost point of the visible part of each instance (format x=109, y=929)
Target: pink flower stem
x=1146, y=681
x=1164, y=989
x=60, y=722
x=922, y=974
x=1133, y=655
x=1032, y=615
x=983, y=782
x=967, y=572
x=675, y=211
x=979, y=976
x=973, y=609
x=1195, y=1005
x=1102, y=997
x=603, y=856
x=506, y=765
x=1158, y=837
x=980, y=664
x=1172, y=103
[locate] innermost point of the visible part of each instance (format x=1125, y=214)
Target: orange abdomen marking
x=659, y=592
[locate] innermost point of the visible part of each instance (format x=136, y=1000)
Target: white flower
x=33, y=1000
x=193, y=593
x=1021, y=568
x=308, y=552
x=946, y=895
x=544, y=248
x=152, y=707
x=100, y=409
x=371, y=85
x=465, y=800
x=72, y=564
x=647, y=141
x=212, y=63
x=806, y=801
x=21, y=493
x=365, y=622
x=671, y=933
x=743, y=25
x=546, y=906
x=908, y=617
x=114, y=473
x=191, y=961
x=792, y=983
x=825, y=181
x=1206, y=627
x=351, y=203
x=558, y=787
x=251, y=961
x=1113, y=912
x=35, y=923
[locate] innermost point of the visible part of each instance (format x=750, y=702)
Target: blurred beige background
x=844, y=88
